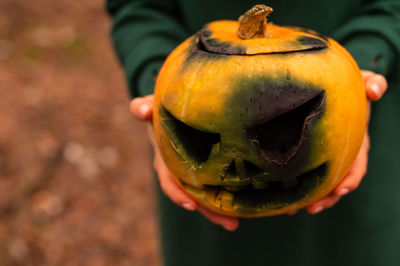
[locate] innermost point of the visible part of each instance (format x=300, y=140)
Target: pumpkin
x=256, y=119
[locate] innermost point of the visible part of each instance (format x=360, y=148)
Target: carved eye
x=279, y=138
x=190, y=143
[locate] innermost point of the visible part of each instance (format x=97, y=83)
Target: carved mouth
x=275, y=194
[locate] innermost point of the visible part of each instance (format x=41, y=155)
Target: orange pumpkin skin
x=232, y=172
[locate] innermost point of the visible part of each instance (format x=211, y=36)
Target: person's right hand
x=142, y=108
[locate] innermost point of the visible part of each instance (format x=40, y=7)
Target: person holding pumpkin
x=146, y=31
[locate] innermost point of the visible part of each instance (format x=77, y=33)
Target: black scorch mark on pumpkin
x=280, y=137
x=279, y=117
x=198, y=52
x=215, y=45
x=314, y=43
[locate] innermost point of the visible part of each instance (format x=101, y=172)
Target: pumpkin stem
x=253, y=23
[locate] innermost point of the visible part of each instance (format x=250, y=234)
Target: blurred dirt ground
x=75, y=180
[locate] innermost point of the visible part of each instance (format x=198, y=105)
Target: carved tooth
x=226, y=200
x=240, y=168
x=259, y=182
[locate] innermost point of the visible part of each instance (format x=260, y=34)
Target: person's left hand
x=376, y=86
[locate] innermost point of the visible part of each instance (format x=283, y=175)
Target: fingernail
x=143, y=109
x=375, y=88
x=343, y=192
x=229, y=228
x=188, y=206
x=317, y=210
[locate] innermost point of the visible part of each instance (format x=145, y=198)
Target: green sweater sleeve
x=372, y=36
x=144, y=32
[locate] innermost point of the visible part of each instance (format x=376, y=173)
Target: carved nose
x=242, y=173
x=279, y=138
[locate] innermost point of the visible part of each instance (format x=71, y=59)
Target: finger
x=229, y=223
x=376, y=85
x=142, y=107
x=290, y=213
x=171, y=188
x=367, y=73
x=323, y=203
x=357, y=171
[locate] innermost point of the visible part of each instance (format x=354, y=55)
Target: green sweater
x=364, y=227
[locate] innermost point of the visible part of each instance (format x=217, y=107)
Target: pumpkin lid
x=252, y=35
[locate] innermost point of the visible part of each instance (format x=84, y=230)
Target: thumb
x=142, y=107
x=376, y=85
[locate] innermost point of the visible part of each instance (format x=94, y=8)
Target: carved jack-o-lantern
x=259, y=122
